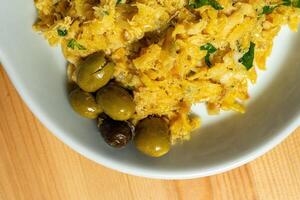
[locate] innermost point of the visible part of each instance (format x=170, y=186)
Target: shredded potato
x=156, y=46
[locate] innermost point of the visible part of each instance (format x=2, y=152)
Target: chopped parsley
x=74, y=44
x=248, y=57
x=105, y=12
x=287, y=2
x=296, y=3
x=210, y=50
x=62, y=32
x=119, y=1
x=268, y=9
x=199, y=3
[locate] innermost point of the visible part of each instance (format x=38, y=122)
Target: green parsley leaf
x=74, y=44
x=268, y=9
x=119, y=1
x=199, y=3
x=287, y=2
x=62, y=32
x=296, y=3
x=210, y=50
x=207, y=61
x=248, y=57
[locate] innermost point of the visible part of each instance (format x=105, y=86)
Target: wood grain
x=34, y=165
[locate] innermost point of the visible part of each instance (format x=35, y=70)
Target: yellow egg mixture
x=172, y=53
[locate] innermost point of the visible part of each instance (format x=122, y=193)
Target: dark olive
x=84, y=104
x=152, y=137
x=115, y=133
x=116, y=102
x=93, y=73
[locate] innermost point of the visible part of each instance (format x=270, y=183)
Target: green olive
x=93, y=73
x=116, y=102
x=84, y=104
x=152, y=137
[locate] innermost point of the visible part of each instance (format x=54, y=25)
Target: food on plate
x=115, y=133
x=116, y=102
x=84, y=104
x=93, y=72
x=152, y=137
x=146, y=62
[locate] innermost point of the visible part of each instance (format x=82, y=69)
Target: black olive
x=115, y=133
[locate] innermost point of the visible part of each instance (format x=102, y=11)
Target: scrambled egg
x=172, y=53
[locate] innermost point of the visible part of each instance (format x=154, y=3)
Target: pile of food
x=139, y=65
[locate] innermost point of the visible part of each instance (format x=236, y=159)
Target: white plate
x=224, y=142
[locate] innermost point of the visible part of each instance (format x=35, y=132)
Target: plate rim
x=135, y=171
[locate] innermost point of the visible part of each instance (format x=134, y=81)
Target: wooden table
x=34, y=165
